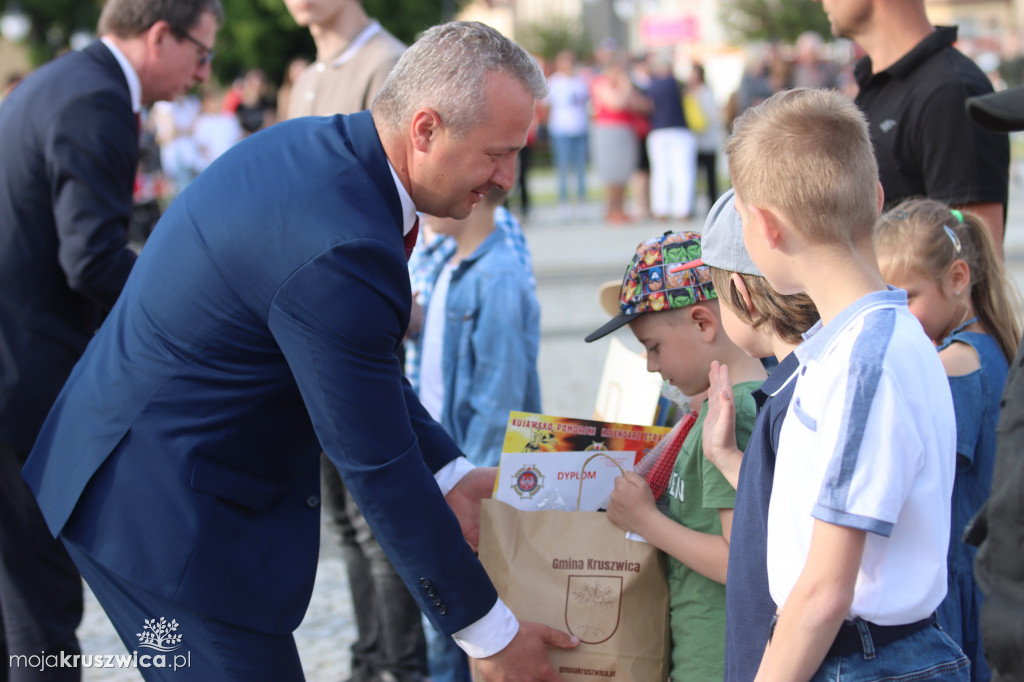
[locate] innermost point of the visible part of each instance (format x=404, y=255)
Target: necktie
x=410, y=238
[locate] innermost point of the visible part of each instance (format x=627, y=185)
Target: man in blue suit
x=179, y=463
x=69, y=136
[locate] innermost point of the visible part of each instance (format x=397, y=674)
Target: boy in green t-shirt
x=667, y=276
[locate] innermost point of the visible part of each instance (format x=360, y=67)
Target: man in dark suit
x=179, y=464
x=69, y=135
x=354, y=56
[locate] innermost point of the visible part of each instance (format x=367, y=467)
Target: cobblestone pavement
x=572, y=255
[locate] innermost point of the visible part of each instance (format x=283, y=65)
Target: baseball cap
x=1002, y=112
x=608, y=296
x=722, y=242
x=665, y=273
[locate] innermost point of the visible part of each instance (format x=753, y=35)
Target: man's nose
x=203, y=72
x=505, y=174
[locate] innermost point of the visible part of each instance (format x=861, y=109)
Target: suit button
x=424, y=582
x=430, y=592
x=312, y=501
x=443, y=610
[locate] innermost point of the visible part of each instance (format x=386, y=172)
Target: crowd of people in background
x=596, y=124
x=596, y=119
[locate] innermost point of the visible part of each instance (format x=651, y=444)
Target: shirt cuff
x=490, y=634
x=450, y=474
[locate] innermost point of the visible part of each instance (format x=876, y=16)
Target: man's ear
x=705, y=320
x=425, y=126
x=156, y=36
x=741, y=289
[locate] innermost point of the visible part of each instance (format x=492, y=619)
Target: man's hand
x=464, y=499
x=525, y=659
x=719, y=434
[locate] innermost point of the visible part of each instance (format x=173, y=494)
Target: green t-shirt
x=697, y=604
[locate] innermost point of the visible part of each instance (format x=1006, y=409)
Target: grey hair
x=130, y=18
x=445, y=70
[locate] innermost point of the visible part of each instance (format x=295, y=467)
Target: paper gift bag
x=577, y=572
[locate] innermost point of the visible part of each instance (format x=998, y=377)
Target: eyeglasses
x=208, y=52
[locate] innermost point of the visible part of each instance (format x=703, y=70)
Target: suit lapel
x=362, y=136
x=98, y=51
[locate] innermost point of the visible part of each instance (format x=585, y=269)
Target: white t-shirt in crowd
x=869, y=442
x=567, y=105
x=431, y=374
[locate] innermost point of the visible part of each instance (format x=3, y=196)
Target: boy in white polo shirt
x=858, y=521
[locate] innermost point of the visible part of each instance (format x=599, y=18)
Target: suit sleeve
x=338, y=320
x=91, y=157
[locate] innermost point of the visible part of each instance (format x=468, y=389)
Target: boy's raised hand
x=719, y=433
x=632, y=503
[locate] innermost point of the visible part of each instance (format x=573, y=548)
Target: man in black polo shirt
x=913, y=85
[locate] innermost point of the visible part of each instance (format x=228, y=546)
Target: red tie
x=410, y=238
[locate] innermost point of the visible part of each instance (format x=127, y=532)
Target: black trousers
x=707, y=163
x=40, y=588
x=523, y=164
x=390, y=644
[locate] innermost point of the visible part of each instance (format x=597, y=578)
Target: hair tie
x=952, y=237
x=957, y=214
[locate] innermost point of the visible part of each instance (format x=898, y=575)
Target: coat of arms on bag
x=592, y=607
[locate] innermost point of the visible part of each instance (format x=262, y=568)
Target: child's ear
x=705, y=320
x=958, y=277
x=741, y=289
x=880, y=191
x=767, y=226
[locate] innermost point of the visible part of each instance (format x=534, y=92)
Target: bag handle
x=579, y=495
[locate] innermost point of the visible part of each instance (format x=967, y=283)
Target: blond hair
x=807, y=153
x=787, y=317
x=925, y=236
